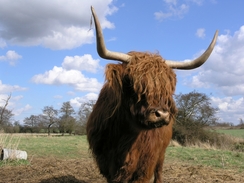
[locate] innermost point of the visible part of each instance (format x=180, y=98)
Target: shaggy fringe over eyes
x=152, y=77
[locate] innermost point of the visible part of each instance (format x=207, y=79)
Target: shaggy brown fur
x=123, y=145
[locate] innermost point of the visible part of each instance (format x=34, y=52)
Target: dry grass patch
x=10, y=155
x=9, y=141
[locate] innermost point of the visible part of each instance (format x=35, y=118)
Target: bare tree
x=194, y=114
x=83, y=115
x=195, y=107
x=241, y=124
x=5, y=114
x=50, y=114
x=32, y=123
x=85, y=111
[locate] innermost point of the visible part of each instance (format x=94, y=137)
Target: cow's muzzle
x=156, y=118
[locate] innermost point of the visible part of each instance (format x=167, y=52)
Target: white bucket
x=13, y=154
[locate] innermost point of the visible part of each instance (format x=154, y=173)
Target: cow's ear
x=113, y=76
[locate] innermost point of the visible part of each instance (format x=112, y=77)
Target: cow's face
x=148, y=115
x=148, y=86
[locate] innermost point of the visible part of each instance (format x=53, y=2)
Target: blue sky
x=48, y=54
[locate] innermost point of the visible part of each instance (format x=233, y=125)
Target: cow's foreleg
x=158, y=172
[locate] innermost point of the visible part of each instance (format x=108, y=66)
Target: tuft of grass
x=10, y=142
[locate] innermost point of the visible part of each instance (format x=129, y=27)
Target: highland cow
x=130, y=126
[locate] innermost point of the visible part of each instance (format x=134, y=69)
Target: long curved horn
x=101, y=47
x=194, y=63
x=107, y=54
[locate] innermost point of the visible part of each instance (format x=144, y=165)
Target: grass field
x=67, y=159
x=233, y=132
x=75, y=147
x=207, y=157
x=54, y=146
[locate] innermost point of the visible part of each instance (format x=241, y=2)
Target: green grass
x=76, y=147
x=57, y=146
x=207, y=157
x=60, y=147
x=14, y=162
x=233, y=132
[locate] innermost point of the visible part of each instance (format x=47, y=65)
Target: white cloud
x=198, y=2
x=230, y=109
x=11, y=103
x=223, y=74
x=53, y=24
x=4, y=88
x=3, y=98
x=11, y=57
x=224, y=68
x=200, y=33
x=112, y=39
x=173, y=9
x=174, y=2
x=2, y=43
x=19, y=111
x=70, y=74
x=85, y=62
x=161, y=15
x=67, y=38
x=59, y=76
x=176, y=8
x=77, y=101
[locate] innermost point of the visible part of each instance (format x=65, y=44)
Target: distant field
x=233, y=132
x=76, y=147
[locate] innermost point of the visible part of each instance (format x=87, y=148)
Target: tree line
x=195, y=112
x=51, y=120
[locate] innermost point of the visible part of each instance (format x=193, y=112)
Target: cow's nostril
x=161, y=114
x=157, y=113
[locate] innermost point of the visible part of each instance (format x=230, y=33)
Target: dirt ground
x=51, y=170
